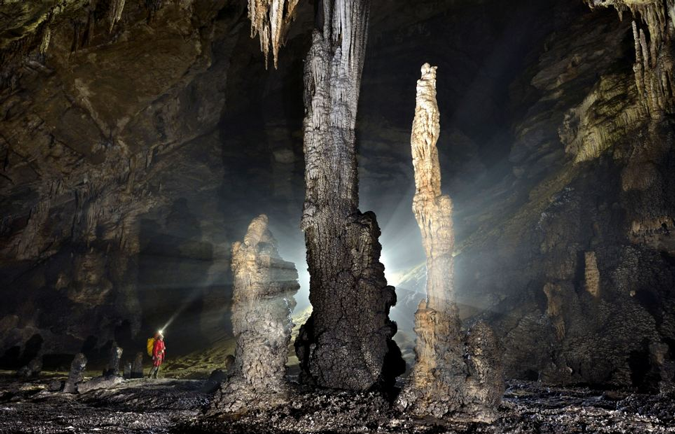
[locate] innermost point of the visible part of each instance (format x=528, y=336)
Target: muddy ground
x=177, y=406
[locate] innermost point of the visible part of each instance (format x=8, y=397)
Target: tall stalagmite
x=347, y=342
x=264, y=286
x=454, y=374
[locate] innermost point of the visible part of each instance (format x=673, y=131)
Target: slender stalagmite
x=454, y=375
x=264, y=286
x=347, y=342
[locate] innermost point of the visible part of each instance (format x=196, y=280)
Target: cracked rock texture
x=264, y=286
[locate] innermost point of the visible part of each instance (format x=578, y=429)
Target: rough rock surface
x=137, y=366
x=76, y=374
x=451, y=376
x=573, y=260
x=264, y=286
x=32, y=369
x=347, y=342
x=175, y=406
x=84, y=182
x=99, y=383
x=653, y=32
x=550, y=153
x=270, y=21
x=113, y=367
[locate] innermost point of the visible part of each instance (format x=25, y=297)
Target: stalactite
x=264, y=286
x=46, y=39
x=347, y=342
x=270, y=20
x=454, y=375
x=115, y=13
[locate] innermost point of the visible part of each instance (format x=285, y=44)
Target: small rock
x=76, y=374
x=99, y=383
x=55, y=385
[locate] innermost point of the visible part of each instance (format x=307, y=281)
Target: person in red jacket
x=158, y=352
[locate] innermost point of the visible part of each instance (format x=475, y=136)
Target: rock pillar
x=346, y=343
x=76, y=375
x=264, y=286
x=455, y=374
x=113, y=368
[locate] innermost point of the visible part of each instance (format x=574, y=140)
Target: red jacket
x=158, y=352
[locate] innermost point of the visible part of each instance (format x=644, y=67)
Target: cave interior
x=143, y=142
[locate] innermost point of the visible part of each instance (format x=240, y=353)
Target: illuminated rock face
x=264, y=286
x=346, y=343
x=270, y=20
x=454, y=375
x=653, y=32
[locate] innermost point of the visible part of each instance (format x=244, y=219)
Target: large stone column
x=454, y=375
x=264, y=286
x=346, y=343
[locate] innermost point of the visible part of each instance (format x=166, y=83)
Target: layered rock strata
x=454, y=375
x=264, y=286
x=347, y=342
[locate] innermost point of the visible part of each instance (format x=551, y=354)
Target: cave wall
x=575, y=262
x=111, y=151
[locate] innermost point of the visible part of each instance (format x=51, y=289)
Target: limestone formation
x=113, y=367
x=653, y=34
x=454, y=375
x=99, y=383
x=554, y=308
x=591, y=274
x=137, y=366
x=76, y=375
x=270, y=20
x=75, y=209
x=32, y=369
x=264, y=286
x=115, y=13
x=346, y=343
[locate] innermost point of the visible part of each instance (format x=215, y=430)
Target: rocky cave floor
x=177, y=406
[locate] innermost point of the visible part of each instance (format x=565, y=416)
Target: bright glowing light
x=393, y=277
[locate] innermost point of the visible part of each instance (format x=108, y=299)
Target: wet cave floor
x=177, y=406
